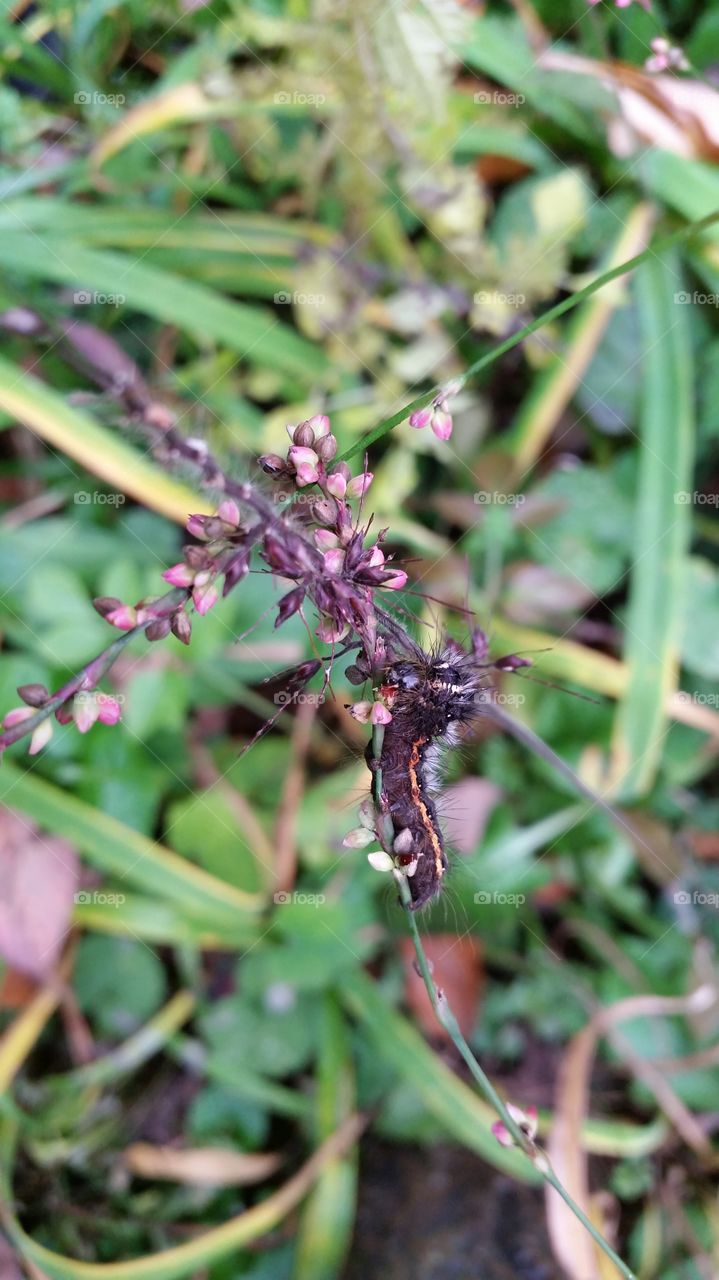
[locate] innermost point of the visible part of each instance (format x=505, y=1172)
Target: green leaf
x=661, y=535
x=250, y=331
x=118, y=982
x=41, y=409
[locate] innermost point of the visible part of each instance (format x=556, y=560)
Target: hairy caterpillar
x=430, y=698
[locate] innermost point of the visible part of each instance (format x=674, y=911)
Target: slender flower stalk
x=514, y=1124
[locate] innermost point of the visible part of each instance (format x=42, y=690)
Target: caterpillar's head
x=437, y=693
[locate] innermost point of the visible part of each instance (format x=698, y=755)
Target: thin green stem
x=654, y=249
x=446, y=1018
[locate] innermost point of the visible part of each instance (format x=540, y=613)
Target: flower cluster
x=84, y=708
x=316, y=544
x=666, y=57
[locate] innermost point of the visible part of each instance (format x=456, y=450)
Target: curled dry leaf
x=458, y=971
x=39, y=874
x=204, y=1166
x=675, y=113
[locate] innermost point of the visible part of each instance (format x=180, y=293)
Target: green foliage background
x=280, y=208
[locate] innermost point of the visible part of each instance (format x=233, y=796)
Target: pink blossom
x=526, y=1121
x=180, y=575
x=16, y=716
x=124, y=618
x=40, y=737
x=298, y=455
x=109, y=711
x=85, y=711
x=441, y=424
x=420, y=418
x=330, y=631
x=358, y=487
x=306, y=473
x=380, y=714
x=229, y=511
x=205, y=597
x=336, y=485
x=376, y=557
x=325, y=540
x=334, y=560
x=397, y=581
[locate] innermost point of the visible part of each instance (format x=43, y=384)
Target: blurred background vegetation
x=284, y=207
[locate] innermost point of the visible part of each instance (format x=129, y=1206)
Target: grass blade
x=662, y=535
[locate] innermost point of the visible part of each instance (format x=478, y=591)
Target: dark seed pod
x=34, y=695
x=106, y=604
x=158, y=630
x=303, y=435
x=181, y=627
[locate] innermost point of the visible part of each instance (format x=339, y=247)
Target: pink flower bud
x=336, y=485
x=380, y=714
x=359, y=486
x=397, y=581
x=16, y=716
x=320, y=424
x=85, y=711
x=325, y=540
x=376, y=557
x=124, y=618
x=420, y=417
x=442, y=424
x=180, y=575
x=330, y=631
x=526, y=1121
x=40, y=737
x=306, y=474
x=229, y=511
x=298, y=455
x=205, y=597
x=109, y=711
x=196, y=526
x=334, y=561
